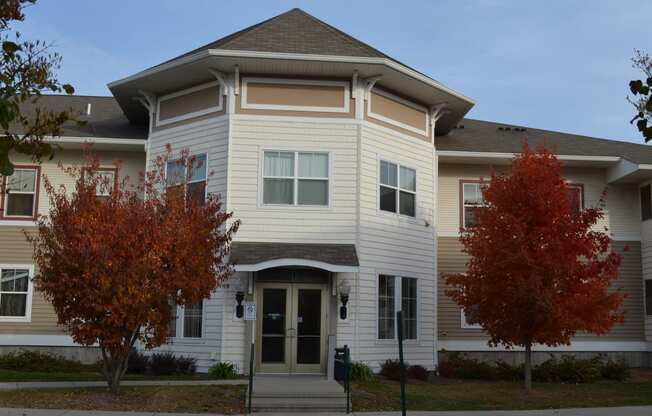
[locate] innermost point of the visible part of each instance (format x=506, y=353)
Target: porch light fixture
x=239, y=309
x=344, y=290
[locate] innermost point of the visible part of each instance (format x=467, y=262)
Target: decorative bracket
x=370, y=82
x=220, y=79
x=437, y=111
x=148, y=100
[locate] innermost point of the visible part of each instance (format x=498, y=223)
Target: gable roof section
x=485, y=136
x=106, y=119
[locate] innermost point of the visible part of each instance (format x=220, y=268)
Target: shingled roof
x=106, y=118
x=486, y=136
x=294, y=31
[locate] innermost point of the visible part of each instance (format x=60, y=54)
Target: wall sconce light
x=239, y=309
x=344, y=290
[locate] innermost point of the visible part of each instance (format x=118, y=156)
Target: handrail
x=344, y=355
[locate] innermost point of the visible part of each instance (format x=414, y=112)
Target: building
x=351, y=173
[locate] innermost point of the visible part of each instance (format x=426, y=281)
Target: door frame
x=291, y=307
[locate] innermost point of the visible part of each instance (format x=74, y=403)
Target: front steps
x=296, y=394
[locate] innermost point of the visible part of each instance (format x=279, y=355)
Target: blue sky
x=556, y=64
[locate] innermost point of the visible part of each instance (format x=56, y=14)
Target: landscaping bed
x=183, y=399
x=454, y=394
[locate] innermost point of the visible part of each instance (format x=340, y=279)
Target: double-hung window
x=398, y=189
x=296, y=178
x=187, y=321
x=106, y=183
x=193, y=174
x=15, y=293
x=20, y=196
x=393, y=291
x=471, y=200
x=576, y=195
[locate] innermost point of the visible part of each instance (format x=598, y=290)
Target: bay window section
x=193, y=176
x=397, y=189
x=295, y=178
x=20, y=193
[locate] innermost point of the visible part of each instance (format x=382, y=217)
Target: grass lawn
x=11, y=375
x=188, y=399
x=477, y=395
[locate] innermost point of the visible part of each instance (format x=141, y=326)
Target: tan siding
x=452, y=260
x=295, y=95
x=398, y=111
x=190, y=103
x=293, y=113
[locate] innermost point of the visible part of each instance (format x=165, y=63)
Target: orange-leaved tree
x=114, y=265
x=538, y=270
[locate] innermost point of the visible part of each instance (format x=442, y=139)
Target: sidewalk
x=604, y=411
x=77, y=384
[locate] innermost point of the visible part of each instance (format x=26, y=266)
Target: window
x=176, y=174
x=295, y=178
x=471, y=200
x=398, y=189
x=648, y=297
x=576, y=195
x=391, y=290
x=646, y=202
x=15, y=293
x=20, y=197
x=465, y=322
x=105, y=184
x=188, y=321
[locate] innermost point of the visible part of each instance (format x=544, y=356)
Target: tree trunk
x=528, y=367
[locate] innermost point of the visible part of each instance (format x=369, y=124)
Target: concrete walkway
x=608, y=411
x=21, y=385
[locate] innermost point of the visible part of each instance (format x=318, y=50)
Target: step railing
x=342, y=361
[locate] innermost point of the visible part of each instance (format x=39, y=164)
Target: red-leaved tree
x=113, y=266
x=538, y=272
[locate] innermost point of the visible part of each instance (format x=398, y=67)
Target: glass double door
x=291, y=325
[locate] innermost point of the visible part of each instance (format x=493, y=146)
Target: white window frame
x=198, y=113
x=7, y=195
x=295, y=178
x=463, y=206
x=180, y=321
x=398, y=304
x=464, y=324
x=30, y=292
x=185, y=173
x=285, y=81
x=113, y=173
x=398, y=189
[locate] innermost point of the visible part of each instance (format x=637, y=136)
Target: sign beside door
x=250, y=311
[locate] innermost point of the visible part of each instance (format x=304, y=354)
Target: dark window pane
x=313, y=192
x=386, y=309
x=408, y=203
x=278, y=191
x=308, y=350
x=309, y=326
x=20, y=205
x=648, y=297
x=387, y=199
x=273, y=349
x=13, y=304
x=575, y=196
x=646, y=203
x=273, y=330
x=469, y=218
x=197, y=192
x=409, y=307
x=388, y=174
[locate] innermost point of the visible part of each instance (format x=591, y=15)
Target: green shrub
x=568, y=369
x=615, y=370
x=26, y=360
x=166, y=363
x=137, y=363
x=362, y=373
x=223, y=371
x=391, y=369
x=505, y=371
x=417, y=372
x=458, y=365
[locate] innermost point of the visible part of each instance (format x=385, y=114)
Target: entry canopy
x=255, y=256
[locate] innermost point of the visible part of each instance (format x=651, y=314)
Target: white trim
x=398, y=190
x=98, y=140
x=295, y=262
x=35, y=193
x=292, y=56
x=398, y=304
x=498, y=155
x=393, y=122
x=454, y=345
x=208, y=110
x=178, y=337
x=30, y=292
x=20, y=340
x=18, y=223
x=260, y=80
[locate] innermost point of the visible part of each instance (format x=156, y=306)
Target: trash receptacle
x=339, y=364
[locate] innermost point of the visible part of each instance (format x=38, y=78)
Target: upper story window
x=15, y=293
x=195, y=181
x=576, y=195
x=295, y=178
x=398, y=189
x=106, y=183
x=646, y=202
x=471, y=200
x=21, y=193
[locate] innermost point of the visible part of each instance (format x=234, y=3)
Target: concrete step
x=298, y=404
